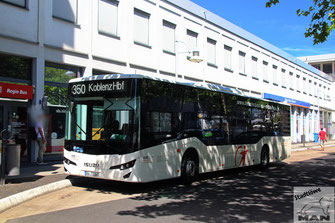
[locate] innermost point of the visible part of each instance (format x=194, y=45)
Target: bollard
x=303, y=140
x=4, y=136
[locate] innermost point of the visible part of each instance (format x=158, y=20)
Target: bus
x=136, y=128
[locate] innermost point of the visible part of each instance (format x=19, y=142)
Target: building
x=45, y=43
x=325, y=63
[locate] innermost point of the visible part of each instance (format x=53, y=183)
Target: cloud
x=304, y=51
x=294, y=28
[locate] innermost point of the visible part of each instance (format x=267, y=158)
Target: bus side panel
x=164, y=161
x=158, y=163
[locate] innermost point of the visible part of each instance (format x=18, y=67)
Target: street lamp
x=195, y=58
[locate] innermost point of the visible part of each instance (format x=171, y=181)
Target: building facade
x=55, y=40
x=324, y=63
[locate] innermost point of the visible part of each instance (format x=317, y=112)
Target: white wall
x=80, y=44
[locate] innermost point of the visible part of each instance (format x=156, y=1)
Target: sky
x=279, y=25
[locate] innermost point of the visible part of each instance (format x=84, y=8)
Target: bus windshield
x=97, y=119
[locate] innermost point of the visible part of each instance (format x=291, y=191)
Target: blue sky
x=278, y=25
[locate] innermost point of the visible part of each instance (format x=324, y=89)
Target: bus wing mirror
x=44, y=103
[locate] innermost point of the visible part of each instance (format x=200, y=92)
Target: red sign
x=18, y=91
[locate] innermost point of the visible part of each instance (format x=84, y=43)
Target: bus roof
x=202, y=85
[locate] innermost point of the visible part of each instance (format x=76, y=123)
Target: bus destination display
x=97, y=88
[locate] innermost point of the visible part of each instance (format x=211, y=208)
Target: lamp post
x=195, y=58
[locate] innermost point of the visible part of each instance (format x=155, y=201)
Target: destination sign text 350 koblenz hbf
x=98, y=88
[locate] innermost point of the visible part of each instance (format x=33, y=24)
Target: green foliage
x=15, y=67
x=56, y=75
x=322, y=14
x=56, y=95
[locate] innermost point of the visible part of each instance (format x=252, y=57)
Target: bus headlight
x=124, y=166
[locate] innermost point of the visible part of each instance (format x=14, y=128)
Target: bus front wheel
x=189, y=168
x=265, y=158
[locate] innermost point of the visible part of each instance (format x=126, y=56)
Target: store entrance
x=15, y=120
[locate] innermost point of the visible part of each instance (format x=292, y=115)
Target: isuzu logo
x=91, y=164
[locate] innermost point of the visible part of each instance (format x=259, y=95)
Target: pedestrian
x=40, y=139
x=323, y=138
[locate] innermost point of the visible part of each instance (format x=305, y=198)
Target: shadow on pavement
x=241, y=195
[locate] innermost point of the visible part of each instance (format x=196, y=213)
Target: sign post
x=4, y=136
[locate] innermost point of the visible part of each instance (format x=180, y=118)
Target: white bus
x=136, y=128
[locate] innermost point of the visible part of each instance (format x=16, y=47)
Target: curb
x=21, y=197
x=310, y=148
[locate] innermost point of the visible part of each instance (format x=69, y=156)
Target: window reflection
x=174, y=112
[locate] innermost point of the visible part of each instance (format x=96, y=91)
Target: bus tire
x=265, y=157
x=189, y=167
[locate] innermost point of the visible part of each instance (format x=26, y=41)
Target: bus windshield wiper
x=111, y=104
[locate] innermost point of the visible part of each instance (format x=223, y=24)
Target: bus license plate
x=92, y=174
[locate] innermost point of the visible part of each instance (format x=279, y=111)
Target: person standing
x=40, y=139
x=323, y=138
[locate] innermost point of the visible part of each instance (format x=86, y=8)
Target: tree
x=57, y=95
x=322, y=14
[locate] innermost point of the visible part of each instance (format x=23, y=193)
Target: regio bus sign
x=18, y=91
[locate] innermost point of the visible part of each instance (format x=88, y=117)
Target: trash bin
x=316, y=136
x=13, y=153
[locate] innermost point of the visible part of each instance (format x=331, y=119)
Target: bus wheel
x=189, y=168
x=265, y=158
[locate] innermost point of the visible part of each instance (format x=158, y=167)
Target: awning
x=288, y=100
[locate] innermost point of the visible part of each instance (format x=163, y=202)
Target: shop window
x=13, y=67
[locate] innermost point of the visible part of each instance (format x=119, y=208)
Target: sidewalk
x=33, y=176
x=310, y=145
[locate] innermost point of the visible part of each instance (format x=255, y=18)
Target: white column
x=88, y=69
x=307, y=135
x=318, y=121
x=294, y=125
x=301, y=124
x=310, y=119
x=38, y=76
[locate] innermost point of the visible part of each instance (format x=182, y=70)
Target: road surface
x=243, y=195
